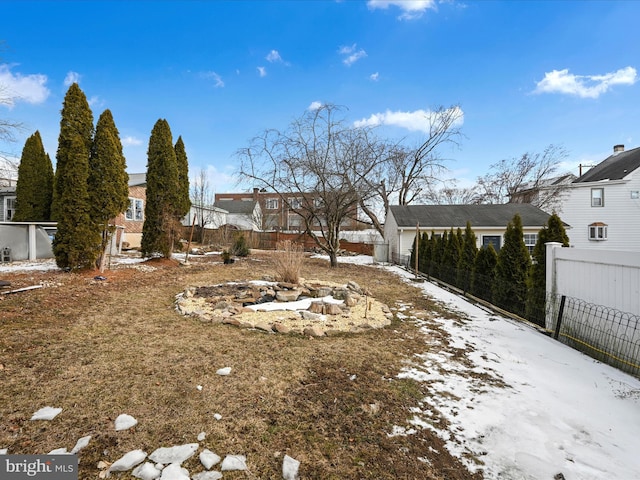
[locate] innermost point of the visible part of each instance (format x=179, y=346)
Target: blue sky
x=526, y=74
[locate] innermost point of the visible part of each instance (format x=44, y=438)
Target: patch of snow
x=217, y=416
x=303, y=304
x=234, y=462
x=209, y=459
x=202, y=436
x=124, y=422
x=59, y=451
x=46, y=413
x=528, y=406
x=128, y=461
x=175, y=472
x=290, y=468
x=81, y=443
x=224, y=371
x=146, y=471
x=175, y=454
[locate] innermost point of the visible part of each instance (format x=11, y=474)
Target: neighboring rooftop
x=614, y=167
x=236, y=206
x=446, y=216
x=136, y=179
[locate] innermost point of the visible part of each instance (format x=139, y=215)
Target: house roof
x=236, y=206
x=446, y=216
x=136, y=179
x=614, y=167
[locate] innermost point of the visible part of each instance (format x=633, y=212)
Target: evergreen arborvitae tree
x=163, y=194
x=468, y=254
x=450, y=258
x=512, y=270
x=184, y=199
x=77, y=240
x=34, y=188
x=108, y=179
x=438, y=254
x=553, y=231
x=484, y=269
x=414, y=252
x=425, y=253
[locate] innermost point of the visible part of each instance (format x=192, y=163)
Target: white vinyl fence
x=593, y=302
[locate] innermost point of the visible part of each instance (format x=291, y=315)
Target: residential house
x=7, y=202
x=205, y=216
x=489, y=223
x=241, y=214
x=602, y=206
x=280, y=211
x=129, y=224
x=545, y=193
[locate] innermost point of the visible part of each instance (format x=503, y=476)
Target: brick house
x=129, y=224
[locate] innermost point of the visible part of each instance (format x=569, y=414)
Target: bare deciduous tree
x=532, y=178
x=8, y=128
x=406, y=174
x=321, y=163
x=202, y=200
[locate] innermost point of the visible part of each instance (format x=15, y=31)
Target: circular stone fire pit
x=310, y=308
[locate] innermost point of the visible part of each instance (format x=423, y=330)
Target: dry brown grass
x=99, y=349
x=288, y=259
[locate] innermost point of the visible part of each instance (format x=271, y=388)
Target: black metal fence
x=606, y=334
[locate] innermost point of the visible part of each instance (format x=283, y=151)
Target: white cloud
x=95, y=102
x=315, y=105
x=71, y=78
x=351, y=54
x=262, y=71
x=15, y=87
x=374, y=77
x=411, y=9
x=274, y=56
x=217, y=79
x=584, y=86
x=130, y=141
x=416, y=121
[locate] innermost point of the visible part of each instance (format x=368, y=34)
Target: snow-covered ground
x=528, y=406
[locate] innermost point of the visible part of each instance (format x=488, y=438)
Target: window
x=295, y=203
x=635, y=194
x=135, y=211
x=9, y=208
x=295, y=221
x=318, y=202
x=495, y=240
x=597, y=197
x=271, y=204
x=598, y=231
x=530, y=240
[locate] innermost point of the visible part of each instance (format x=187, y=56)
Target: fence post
x=556, y=334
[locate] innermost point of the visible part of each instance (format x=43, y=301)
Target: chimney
x=618, y=148
x=255, y=193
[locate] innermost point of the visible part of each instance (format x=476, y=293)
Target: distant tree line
x=512, y=279
x=90, y=186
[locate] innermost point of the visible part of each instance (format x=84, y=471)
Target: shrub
x=240, y=247
x=288, y=258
